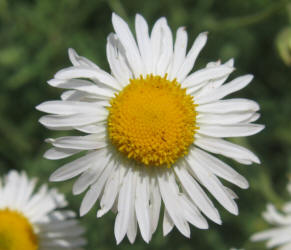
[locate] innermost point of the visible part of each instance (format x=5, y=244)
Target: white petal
x=92, y=129
x=285, y=247
x=117, y=60
x=86, y=179
x=192, y=214
x=58, y=121
x=68, y=107
x=80, y=142
x=110, y=193
x=166, y=50
x=26, y=193
x=12, y=180
x=85, y=72
x=287, y=206
x=224, y=90
x=206, y=74
x=74, y=168
x=95, y=190
x=214, y=83
x=243, y=161
x=80, y=60
x=142, y=206
x=179, y=52
x=191, y=57
x=169, y=193
x=279, y=240
x=69, y=231
x=230, y=105
x=76, y=95
x=211, y=182
x=73, y=95
x=31, y=207
x=271, y=233
x=253, y=118
x=59, y=244
x=132, y=228
x=226, y=148
x=197, y=195
x=144, y=43
x=21, y=196
x=92, y=173
x=235, y=130
x=221, y=169
x=168, y=224
x=193, y=90
x=156, y=41
x=225, y=119
x=125, y=206
x=59, y=153
x=155, y=204
x=231, y=193
x=274, y=217
x=126, y=38
x=84, y=86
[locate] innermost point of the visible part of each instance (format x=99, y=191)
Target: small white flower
x=280, y=234
x=149, y=125
x=34, y=221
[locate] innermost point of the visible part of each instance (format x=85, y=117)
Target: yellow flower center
x=152, y=120
x=16, y=233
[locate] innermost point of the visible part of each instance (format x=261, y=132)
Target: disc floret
x=16, y=232
x=152, y=120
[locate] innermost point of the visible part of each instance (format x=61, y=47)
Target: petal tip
x=82, y=211
x=71, y=52
x=47, y=156
x=115, y=18
x=38, y=107
x=41, y=121
x=250, y=77
x=53, y=177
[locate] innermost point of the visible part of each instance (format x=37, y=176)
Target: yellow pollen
x=16, y=233
x=152, y=120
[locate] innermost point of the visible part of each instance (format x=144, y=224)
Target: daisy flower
x=149, y=125
x=280, y=234
x=32, y=220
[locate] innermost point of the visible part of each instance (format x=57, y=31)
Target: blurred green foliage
x=34, y=37
x=284, y=45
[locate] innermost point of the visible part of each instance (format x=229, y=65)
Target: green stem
x=237, y=22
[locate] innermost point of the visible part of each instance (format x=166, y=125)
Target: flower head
x=280, y=234
x=33, y=221
x=149, y=124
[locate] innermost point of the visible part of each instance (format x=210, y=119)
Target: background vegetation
x=34, y=37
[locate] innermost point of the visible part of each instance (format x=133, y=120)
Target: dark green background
x=34, y=37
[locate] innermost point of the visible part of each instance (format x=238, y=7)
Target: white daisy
x=149, y=125
x=280, y=235
x=34, y=221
